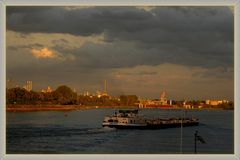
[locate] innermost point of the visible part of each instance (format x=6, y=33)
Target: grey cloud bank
x=199, y=35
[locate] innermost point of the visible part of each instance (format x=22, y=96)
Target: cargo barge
x=130, y=119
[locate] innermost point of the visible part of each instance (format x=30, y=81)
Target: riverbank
x=31, y=108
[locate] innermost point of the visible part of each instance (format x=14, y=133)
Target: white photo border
x=5, y=3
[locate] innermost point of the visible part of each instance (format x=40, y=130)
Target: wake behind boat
x=130, y=119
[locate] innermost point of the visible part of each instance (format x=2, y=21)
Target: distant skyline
x=185, y=51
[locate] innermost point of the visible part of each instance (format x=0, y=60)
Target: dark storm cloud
x=78, y=22
x=120, y=19
x=196, y=36
x=120, y=55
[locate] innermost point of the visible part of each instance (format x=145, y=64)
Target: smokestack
x=105, y=86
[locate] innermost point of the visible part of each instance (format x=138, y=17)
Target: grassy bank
x=31, y=108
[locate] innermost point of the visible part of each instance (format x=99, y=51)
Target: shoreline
x=35, y=108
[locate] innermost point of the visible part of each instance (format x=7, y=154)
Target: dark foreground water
x=81, y=132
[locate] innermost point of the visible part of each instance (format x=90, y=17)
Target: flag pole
x=195, y=140
x=181, y=132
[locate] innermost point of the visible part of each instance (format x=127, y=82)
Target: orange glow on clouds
x=43, y=53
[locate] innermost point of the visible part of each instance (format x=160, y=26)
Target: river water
x=80, y=131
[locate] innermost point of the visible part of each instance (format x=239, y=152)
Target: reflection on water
x=81, y=132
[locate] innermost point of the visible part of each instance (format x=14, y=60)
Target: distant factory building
x=86, y=93
x=104, y=93
x=98, y=93
x=48, y=90
x=28, y=86
x=187, y=106
x=162, y=102
x=215, y=102
x=163, y=99
x=105, y=89
x=74, y=90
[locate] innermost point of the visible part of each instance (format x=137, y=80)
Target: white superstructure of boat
x=125, y=118
x=130, y=119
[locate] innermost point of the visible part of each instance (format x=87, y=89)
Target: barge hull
x=152, y=126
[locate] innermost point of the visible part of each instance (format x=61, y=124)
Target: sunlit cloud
x=47, y=53
x=43, y=53
x=50, y=40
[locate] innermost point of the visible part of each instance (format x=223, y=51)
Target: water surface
x=81, y=132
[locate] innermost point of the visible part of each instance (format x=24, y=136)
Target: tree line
x=64, y=95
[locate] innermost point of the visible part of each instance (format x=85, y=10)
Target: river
x=80, y=131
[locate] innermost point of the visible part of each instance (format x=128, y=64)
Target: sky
x=188, y=52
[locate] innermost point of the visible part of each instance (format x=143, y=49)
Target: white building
x=28, y=86
x=215, y=102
